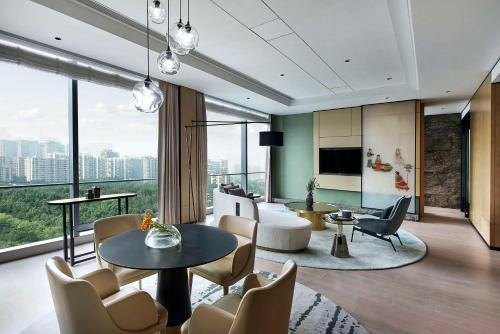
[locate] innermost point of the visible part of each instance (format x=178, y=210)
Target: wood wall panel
x=481, y=160
x=495, y=223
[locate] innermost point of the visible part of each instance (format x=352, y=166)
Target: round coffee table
x=339, y=246
x=314, y=214
x=200, y=244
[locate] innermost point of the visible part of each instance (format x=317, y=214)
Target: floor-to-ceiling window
x=34, y=162
x=234, y=154
x=117, y=151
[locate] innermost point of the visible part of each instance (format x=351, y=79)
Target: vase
x=309, y=199
x=166, y=237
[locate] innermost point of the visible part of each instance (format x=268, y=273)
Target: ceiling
x=287, y=56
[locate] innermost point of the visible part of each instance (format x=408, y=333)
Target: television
x=342, y=161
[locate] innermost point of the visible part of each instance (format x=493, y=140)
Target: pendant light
x=186, y=37
x=168, y=62
x=176, y=31
x=157, y=12
x=147, y=97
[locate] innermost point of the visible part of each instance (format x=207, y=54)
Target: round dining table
x=200, y=244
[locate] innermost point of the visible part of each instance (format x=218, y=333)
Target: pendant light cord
x=168, y=25
x=180, y=10
x=147, y=32
x=188, y=11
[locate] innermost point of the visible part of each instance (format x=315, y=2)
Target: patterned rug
x=366, y=252
x=311, y=312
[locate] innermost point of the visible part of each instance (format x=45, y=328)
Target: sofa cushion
x=387, y=212
x=226, y=188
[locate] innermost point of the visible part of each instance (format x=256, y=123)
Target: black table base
x=173, y=293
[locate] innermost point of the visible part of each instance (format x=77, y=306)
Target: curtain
x=169, y=195
x=201, y=159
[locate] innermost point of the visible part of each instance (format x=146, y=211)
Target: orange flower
x=147, y=221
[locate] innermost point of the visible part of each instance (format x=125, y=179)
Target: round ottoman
x=282, y=232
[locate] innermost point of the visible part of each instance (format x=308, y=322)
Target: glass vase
x=165, y=237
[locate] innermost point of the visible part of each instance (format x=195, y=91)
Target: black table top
x=200, y=244
x=76, y=200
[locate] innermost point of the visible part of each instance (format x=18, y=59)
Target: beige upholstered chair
x=264, y=308
x=108, y=227
x=94, y=303
x=239, y=263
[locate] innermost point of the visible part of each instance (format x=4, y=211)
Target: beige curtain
x=201, y=159
x=169, y=194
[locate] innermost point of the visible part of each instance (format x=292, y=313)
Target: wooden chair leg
x=226, y=290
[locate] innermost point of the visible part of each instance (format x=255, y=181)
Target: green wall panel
x=293, y=163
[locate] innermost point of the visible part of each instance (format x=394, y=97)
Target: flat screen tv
x=344, y=161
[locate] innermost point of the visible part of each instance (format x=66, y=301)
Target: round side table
x=339, y=246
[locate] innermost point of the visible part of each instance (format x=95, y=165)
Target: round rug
x=366, y=252
x=311, y=311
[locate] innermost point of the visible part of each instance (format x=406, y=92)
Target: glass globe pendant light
x=157, y=12
x=168, y=62
x=188, y=38
x=176, y=31
x=147, y=97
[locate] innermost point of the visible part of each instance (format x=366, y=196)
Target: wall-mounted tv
x=344, y=161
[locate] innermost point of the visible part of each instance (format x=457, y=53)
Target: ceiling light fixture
x=347, y=60
x=282, y=74
x=157, y=12
x=448, y=91
x=177, y=29
x=389, y=78
x=57, y=38
x=387, y=97
x=147, y=97
x=168, y=62
x=186, y=37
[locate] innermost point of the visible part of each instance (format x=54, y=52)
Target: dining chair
x=110, y=226
x=264, y=307
x=94, y=303
x=233, y=267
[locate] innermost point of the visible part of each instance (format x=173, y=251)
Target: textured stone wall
x=442, y=160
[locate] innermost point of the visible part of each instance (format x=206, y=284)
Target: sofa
x=277, y=231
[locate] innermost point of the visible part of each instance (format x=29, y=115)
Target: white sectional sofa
x=276, y=231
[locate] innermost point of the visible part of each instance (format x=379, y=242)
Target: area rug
x=366, y=252
x=311, y=311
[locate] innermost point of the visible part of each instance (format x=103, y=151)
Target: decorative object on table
x=339, y=246
x=347, y=214
x=380, y=166
x=147, y=96
x=97, y=192
x=400, y=182
x=159, y=235
x=310, y=187
x=381, y=228
x=90, y=194
x=334, y=215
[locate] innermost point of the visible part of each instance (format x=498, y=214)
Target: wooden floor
x=454, y=289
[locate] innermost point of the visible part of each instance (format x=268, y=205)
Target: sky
x=33, y=105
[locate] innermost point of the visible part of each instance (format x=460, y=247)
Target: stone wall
x=442, y=160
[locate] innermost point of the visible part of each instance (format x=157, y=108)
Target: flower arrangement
x=148, y=222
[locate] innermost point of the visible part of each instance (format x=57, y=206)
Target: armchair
x=378, y=226
x=108, y=227
x=94, y=303
x=263, y=308
x=240, y=262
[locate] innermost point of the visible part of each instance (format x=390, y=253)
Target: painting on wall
x=389, y=143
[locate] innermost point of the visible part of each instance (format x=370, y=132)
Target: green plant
x=312, y=184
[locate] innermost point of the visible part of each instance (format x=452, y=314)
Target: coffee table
x=200, y=244
x=314, y=214
x=339, y=246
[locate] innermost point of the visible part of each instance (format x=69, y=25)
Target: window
x=234, y=157
x=33, y=152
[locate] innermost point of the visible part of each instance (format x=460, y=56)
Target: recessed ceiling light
x=282, y=74
x=389, y=78
x=448, y=91
x=248, y=98
x=347, y=60
x=443, y=108
x=387, y=97
x=57, y=38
